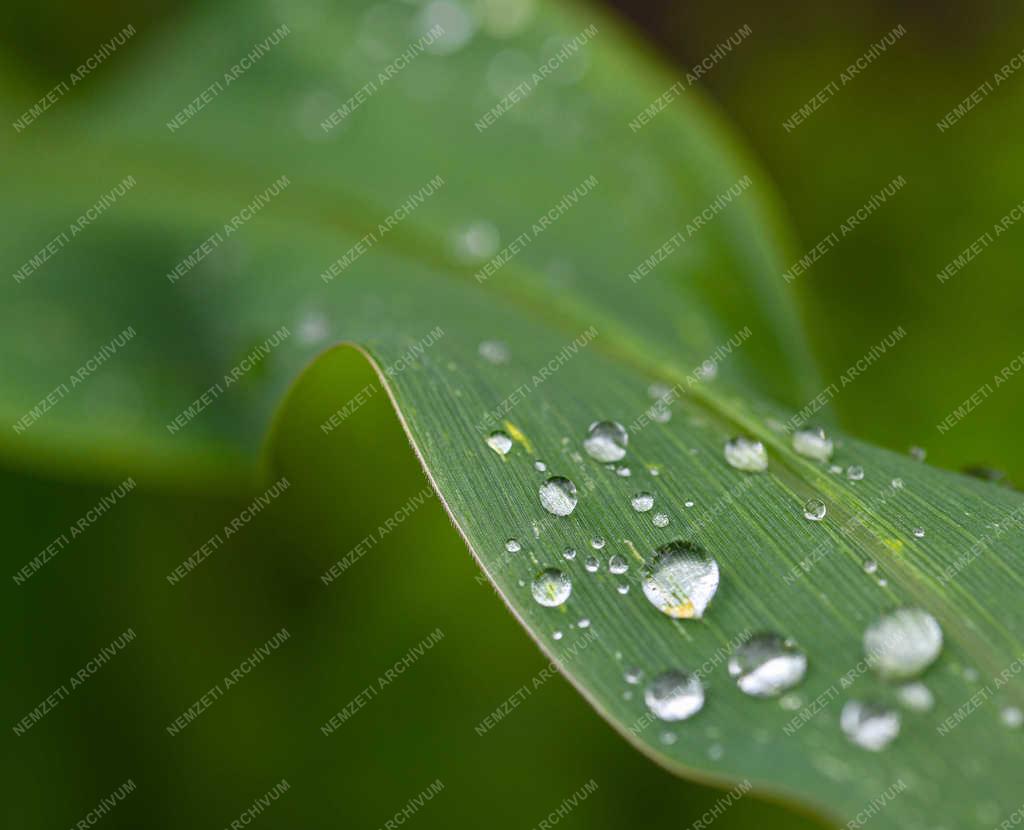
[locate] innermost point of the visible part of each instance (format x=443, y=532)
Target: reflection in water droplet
x=903, y=643
x=558, y=496
x=513, y=546
x=642, y=502
x=569, y=553
x=815, y=510
x=916, y=696
x=681, y=580
x=617, y=565
x=551, y=587
x=499, y=442
x=813, y=443
x=660, y=520
x=870, y=726
x=1012, y=717
x=592, y=564
x=746, y=454
x=767, y=665
x=675, y=695
x=494, y=351
x=606, y=441
x=855, y=472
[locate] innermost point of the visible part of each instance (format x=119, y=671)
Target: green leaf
x=190, y=395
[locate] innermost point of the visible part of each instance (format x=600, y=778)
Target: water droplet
x=870, y=566
x=551, y=587
x=870, y=726
x=627, y=695
x=918, y=453
x=557, y=635
x=654, y=471
x=835, y=469
x=660, y=520
x=746, y=454
x=681, y=580
x=708, y=370
x=456, y=22
x=540, y=466
x=642, y=502
x=767, y=665
x=499, y=442
x=1012, y=717
x=688, y=503
x=513, y=546
x=669, y=738
x=715, y=752
x=583, y=623
x=855, y=472
x=592, y=564
x=918, y=532
x=897, y=483
x=633, y=675
x=903, y=643
x=791, y=702
x=815, y=510
x=623, y=472
x=813, y=443
x=617, y=565
x=659, y=390
x=494, y=351
x=622, y=589
x=558, y=496
x=916, y=696
x=569, y=553
x=477, y=241
x=597, y=542
x=606, y=441
x=675, y=695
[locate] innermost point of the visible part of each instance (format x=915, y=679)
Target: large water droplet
x=869, y=725
x=499, y=442
x=767, y=665
x=551, y=587
x=903, y=643
x=813, y=443
x=606, y=441
x=558, y=496
x=815, y=510
x=675, y=695
x=681, y=580
x=746, y=454
x=642, y=502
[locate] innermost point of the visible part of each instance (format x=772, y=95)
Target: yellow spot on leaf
x=518, y=436
x=895, y=545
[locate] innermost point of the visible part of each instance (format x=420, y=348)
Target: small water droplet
x=606, y=441
x=767, y=665
x=675, y=695
x=499, y=442
x=617, y=565
x=597, y=542
x=855, y=472
x=970, y=674
x=813, y=443
x=633, y=675
x=557, y=635
x=918, y=532
x=540, y=466
x=708, y=370
x=903, y=643
x=551, y=587
x=642, y=502
x=623, y=472
x=456, y=24
x=870, y=726
x=477, y=241
x=622, y=589
x=715, y=752
x=688, y=503
x=494, y=351
x=870, y=566
x=592, y=564
x=627, y=695
x=583, y=623
x=815, y=510
x=916, y=696
x=513, y=546
x=681, y=580
x=835, y=469
x=746, y=454
x=897, y=483
x=569, y=553
x=654, y=471
x=1012, y=717
x=669, y=738
x=660, y=520
x=918, y=453
x=558, y=496
x=791, y=702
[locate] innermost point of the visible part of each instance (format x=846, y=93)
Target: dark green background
x=421, y=576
